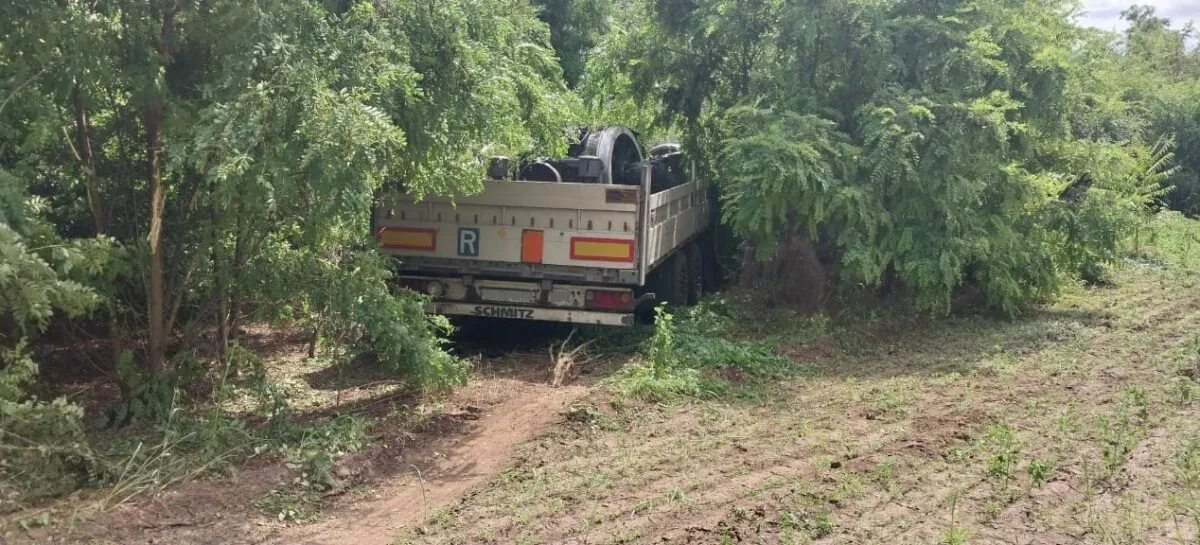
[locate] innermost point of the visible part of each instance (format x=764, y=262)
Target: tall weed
x=699, y=353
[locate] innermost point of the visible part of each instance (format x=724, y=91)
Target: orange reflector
x=407, y=238
x=602, y=249
x=531, y=246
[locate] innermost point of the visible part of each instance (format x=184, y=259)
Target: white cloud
x=1106, y=14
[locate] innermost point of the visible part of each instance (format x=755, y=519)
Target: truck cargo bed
x=545, y=234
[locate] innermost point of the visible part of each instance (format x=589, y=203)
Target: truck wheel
x=668, y=282
x=695, y=265
x=676, y=280
x=711, y=267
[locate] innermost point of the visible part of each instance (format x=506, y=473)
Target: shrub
x=42, y=447
x=348, y=298
x=660, y=377
x=697, y=356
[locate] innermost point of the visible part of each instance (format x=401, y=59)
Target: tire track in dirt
x=729, y=484
x=449, y=468
x=1170, y=325
x=1167, y=321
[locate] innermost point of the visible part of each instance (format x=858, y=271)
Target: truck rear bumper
x=488, y=310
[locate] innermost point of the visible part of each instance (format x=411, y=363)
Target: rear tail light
x=608, y=300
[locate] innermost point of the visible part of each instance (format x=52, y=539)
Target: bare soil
x=433, y=476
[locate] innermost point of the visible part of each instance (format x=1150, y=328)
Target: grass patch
x=185, y=438
x=698, y=354
x=1172, y=240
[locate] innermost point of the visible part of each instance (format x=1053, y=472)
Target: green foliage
x=279, y=122
x=1003, y=450
x=1155, y=68
x=350, y=301
x=42, y=447
x=954, y=536
x=815, y=524
x=661, y=377
x=1174, y=240
x=708, y=339
x=188, y=443
x=1121, y=431
x=662, y=344
x=148, y=397
x=274, y=124
x=575, y=28
x=289, y=506
x=313, y=450
x=32, y=288
x=1039, y=472
x=927, y=143
x=698, y=356
x=778, y=167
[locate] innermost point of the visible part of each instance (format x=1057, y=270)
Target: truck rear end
x=562, y=251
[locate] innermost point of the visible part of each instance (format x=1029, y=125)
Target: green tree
x=576, y=26
x=1158, y=73
x=222, y=142
x=926, y=142
x=41, y=442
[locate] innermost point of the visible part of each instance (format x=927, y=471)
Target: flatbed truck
x=598, y=238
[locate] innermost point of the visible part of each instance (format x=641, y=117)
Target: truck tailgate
x=529, y=225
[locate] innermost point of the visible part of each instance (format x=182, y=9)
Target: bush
x=699, y=356
x=927, y=146
x=42, y=447
x=348, y=298
x=660, y=377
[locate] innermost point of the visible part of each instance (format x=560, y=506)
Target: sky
x=1106, y=14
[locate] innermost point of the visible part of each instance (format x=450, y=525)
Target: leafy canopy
x=927, y=142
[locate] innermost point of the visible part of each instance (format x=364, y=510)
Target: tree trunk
x=221, y=291
x=234, y=295
x=157, y=348
x=83, y=153
x=91, y=180
x=156, y=351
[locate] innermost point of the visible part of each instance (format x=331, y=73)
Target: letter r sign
x=468, y=242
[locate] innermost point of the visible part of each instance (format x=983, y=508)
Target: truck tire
x=668, y=283
x=695, y=265
x=711, y=269
x=676, y=280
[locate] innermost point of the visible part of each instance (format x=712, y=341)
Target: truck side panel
x=675, y=216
